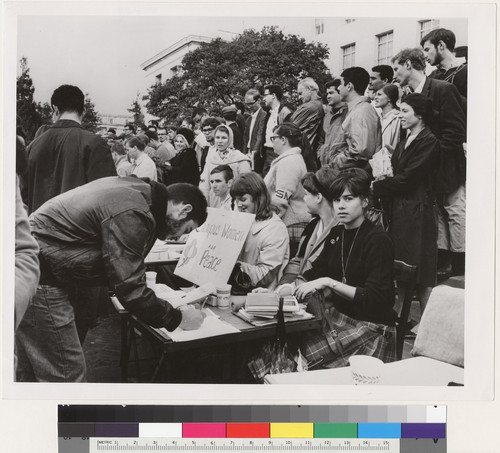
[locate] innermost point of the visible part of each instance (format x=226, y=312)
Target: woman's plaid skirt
x=344, y=336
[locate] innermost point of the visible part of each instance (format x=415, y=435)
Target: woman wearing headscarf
x=223, y=153
x=411, y=193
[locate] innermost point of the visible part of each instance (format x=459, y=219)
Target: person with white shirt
x=221, y=179
x=255, y=125
x=277, y=114
x=142, y=165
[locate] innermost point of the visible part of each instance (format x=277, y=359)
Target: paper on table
x=211, y=327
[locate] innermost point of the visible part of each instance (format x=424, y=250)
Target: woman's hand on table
x=192, y=318
x=306, y=289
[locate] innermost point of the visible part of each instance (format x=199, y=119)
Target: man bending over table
x=100, y=233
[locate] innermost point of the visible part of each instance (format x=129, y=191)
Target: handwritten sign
x=211, y=252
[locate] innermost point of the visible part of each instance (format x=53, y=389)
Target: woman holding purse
x=350, y=285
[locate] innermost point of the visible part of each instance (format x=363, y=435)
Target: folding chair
x=405, y=276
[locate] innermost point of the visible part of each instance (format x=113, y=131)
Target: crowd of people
x=339, y=191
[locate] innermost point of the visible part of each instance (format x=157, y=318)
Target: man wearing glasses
x=208, y=130
x=254, y=126
x=277, y=114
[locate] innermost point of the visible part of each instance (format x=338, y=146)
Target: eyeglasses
x=207, y=130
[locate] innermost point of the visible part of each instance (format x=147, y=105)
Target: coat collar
x=67, y=123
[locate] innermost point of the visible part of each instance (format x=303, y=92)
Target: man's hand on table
x=192, y=318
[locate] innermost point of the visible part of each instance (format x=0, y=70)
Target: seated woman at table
x=265, y=250
x=350, y=285
x=319, y=202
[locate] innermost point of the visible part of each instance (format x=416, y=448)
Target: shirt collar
x=421, y=85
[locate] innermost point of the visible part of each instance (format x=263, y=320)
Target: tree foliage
x=28, y=116
x=136, y=110
x=91, y=118
x=220, y=72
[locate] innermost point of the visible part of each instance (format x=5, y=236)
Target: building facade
x=367, y=42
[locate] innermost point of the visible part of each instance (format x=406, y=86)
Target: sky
x=102, y=55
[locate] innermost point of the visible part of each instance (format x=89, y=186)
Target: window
x=319, y=26
x=428, y=25
x=158, y=78
x=384, y=48
x=348, y=21
x=348, y=54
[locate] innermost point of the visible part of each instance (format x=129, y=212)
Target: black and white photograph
x=247, y=201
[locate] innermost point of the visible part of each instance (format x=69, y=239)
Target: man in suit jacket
x=449, y=126
x=254, y=125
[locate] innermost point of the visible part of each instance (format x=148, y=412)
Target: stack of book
x=262, y=309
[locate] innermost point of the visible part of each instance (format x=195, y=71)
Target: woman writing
x=265, y=250
x=410, y=193
x=351, y=282
x=183, y=167
x=319, y=202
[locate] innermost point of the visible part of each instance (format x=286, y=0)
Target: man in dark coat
x=97, y=234
x=255, y=124
x=66, y=156
x=449, y=126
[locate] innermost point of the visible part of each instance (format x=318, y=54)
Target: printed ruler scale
x=243, y=445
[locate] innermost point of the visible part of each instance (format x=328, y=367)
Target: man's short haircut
x=309, y=83
x=415, y=56
x=152, y=135
x=231, y=116
x=199, y=111
x=440, y=34
x=171, y=127
x=276, y=90
x=251, y=183
x=240, y=106
x=386, y=72
x=136, y=141
x=112, y=130
x=211, y=122
x=356, y=180
x=292, y=132
x=130, y=126
x=189, y=194
x=254, y=93
x=333, y=83
x=188, y=120
x=359, y=78
x=68, y=98
x=119, y=149
x=143, y=138
x=225, y=170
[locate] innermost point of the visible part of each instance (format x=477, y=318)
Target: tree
x=91, y=118
x=45, y=111
x=136, y=110
x=220, y=72
x=28, y=116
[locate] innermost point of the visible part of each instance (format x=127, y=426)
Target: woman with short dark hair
x=265, y=250
x=350, y=284
x=319, y=201
x=410, y=193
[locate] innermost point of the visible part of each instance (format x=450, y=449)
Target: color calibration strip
x=256, y=430
x=119, y=428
